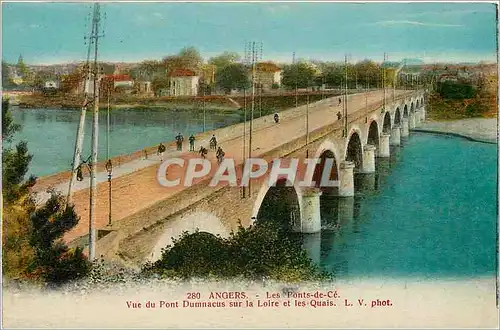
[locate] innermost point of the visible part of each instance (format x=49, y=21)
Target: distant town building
x=51, y=84
x=267, y=75
x=143, y=87
x=18, y=80
x=183, y=82
x=122, y=81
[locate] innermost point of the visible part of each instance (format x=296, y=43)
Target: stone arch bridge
x=371, y=129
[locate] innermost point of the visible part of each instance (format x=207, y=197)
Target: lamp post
x=109, y=169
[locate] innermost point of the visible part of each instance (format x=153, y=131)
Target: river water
x=51, y=133
x=428, y=211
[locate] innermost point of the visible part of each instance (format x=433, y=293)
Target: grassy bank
x=128, y=102
x=482, y=103
x=264, y=105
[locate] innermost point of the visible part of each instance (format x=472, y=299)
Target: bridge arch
x=202, y=221
x=417, y=106
x=326, y=150
x=405, y=111
x=279, y=199
x=386, y=126
x=373, y=134
x=422, y=101
x=354, y=148
x=397, y=116
x=412, y=108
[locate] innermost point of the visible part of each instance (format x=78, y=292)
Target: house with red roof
x=183, y=82
x=267, y=75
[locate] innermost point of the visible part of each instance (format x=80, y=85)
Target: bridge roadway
x=135, y=186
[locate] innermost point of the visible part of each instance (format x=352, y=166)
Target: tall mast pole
x=81, y=127
x=244, y=128
x=95, y=137
x=109, y=166
x=296, y=82
x=345, y=96
x=246, y=61
x=383, y=79
x=251, y=113
x=204, y=110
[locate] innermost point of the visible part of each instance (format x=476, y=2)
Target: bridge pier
x=422, y=114
x=346, y=178
x=369, y=158
x=404, y=127
x=417, y=118
x=311, y=215
x=395, y=138
x=384, y=150
x=411, y=121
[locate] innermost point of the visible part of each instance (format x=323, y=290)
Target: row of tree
x=227, y=71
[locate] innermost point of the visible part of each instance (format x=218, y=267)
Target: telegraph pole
x=203, y=104
x=259, y=72
x=254, y=60
x=366, y=93
x=345, y=96
x=81, y=127
x=95, y=135
x=109, y=166
x=383, y=79
x=247, y=62
x=307, y=125
x=296, y=82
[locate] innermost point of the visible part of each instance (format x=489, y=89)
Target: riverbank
x=264, y=105
x=477, y=129
x=212, y=103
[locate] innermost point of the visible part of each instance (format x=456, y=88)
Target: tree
x=188, y=58
x=54, y=261
x=148, y=69
x=6, y=81
x=30, y=236
x=368, y=73
x=301, y=74
x=224, y=59
x=201, y=254
x=15, y=162
x=71, y=82
x=16, y=253
x=159, y=82
x=233, y=76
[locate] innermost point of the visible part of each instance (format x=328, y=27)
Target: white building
x=183, y=83
x=267, y=75
x=51, y=84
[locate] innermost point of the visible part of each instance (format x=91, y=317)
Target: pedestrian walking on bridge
x=179, y=138
x=191, y=142
x=161, y=150
x=213, y=142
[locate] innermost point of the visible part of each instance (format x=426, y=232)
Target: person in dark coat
x=179, y=138
x=161, y=151
x=191, y=142
x=213, y=142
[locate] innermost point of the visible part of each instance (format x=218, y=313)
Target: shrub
x=265, y=250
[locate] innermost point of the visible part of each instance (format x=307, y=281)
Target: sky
x=49, y=33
